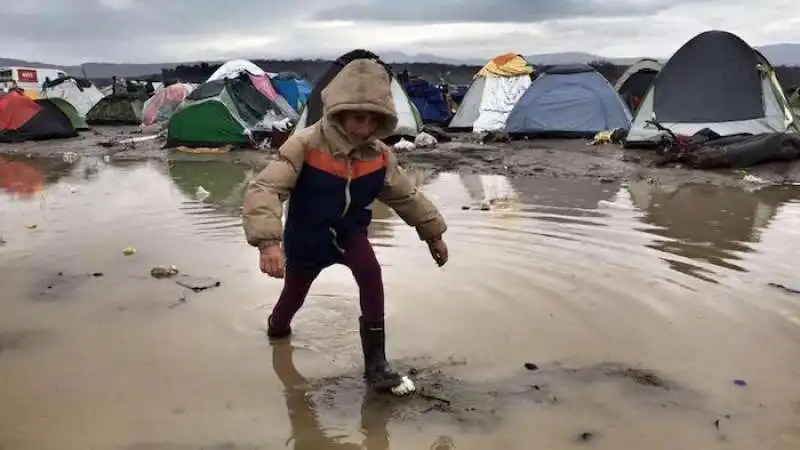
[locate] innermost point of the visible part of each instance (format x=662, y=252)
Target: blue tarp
x=568, y=101
x=429, y=100
x=295, y=90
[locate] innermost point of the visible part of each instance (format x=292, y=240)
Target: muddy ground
x=563, y=158
x=449, y=395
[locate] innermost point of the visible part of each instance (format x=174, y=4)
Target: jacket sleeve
x=262, y=211
x=402, y=195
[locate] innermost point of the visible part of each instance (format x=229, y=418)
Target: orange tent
x=16, y=110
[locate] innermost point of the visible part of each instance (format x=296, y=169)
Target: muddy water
x=652, y=314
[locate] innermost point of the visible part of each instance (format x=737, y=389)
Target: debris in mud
x=740, y=383
x=33, y=226
x=197, y=284
x=3, y=241
x=531, y=366
x=97, y=274
x=163, y=271
x=639, y=376
x=128, y=251
x=586, y=436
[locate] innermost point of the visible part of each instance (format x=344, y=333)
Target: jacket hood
x=361, y=85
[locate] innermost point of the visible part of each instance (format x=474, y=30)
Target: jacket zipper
x=347, y=197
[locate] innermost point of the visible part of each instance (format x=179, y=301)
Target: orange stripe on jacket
x=325, y=161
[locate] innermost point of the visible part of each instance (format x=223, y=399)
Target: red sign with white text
x=27, y=76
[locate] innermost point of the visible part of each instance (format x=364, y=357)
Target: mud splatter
x=19, y=340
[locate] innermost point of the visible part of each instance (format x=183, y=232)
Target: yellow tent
x=506, y=65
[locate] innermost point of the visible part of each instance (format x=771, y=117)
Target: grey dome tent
x=634, y=83
x=716, y=81
x=569, y=101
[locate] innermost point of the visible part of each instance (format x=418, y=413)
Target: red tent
x=22, y=118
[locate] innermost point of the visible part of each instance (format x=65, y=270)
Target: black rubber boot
x=377, y=371
x=274, y=332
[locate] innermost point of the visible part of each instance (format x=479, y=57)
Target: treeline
x=312, y=70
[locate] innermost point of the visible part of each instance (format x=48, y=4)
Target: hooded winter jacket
x=331, y=182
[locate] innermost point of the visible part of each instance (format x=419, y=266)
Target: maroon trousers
x=360, y=258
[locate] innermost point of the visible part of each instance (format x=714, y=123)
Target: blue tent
x=568, y=101
x=429, y=100
x=293, y=88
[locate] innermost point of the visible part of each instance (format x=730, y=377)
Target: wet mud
x=584, y=307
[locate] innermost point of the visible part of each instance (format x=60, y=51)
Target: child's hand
x=272, y=261
x=438, y=250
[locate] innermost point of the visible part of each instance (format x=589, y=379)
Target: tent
x=160, y=107
x=495, y=90
x=225, y=111
x=716, y=81
x=258, y=78
x=122, y=109
x=293, y=88
x=632, y=86
x=82, y=94
x=409, y=122
x=22, y=118
x=78, y=122
x=429, y=100
x=568, y=101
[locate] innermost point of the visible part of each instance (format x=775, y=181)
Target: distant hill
x=786, y=54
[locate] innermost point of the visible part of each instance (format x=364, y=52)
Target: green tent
x=72, y=114
x=223, y=112
x=116, y=110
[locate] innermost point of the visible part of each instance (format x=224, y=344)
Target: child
x=331, y=173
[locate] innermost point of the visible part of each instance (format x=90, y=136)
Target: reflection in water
x=707, y=223
x=307, y=431
x=221, y=184
x=26, y=177
x=555, y=270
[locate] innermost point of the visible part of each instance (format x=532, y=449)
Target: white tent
x=81, y=94
x=644, y=65
x=232, y=69
x=493, y=94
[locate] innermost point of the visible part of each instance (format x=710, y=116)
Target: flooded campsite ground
x=590, y=302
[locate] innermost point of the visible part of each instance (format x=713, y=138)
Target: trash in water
x=531, y=366
x=33, y=226
x=740, y=382
x=201, y=193
x=128, y=251
x=163, y=271
x=197, y=284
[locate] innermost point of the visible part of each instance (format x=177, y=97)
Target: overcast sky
x=75, y=31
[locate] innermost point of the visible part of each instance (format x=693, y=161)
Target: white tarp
x=232, y=69
x=82, y=100
x=500, y=95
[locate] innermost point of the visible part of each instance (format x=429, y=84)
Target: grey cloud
x=427, y=11
x=84, y=22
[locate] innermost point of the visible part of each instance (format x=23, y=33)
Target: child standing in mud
x=331, y=173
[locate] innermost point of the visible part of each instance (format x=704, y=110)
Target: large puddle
x=654, y=316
